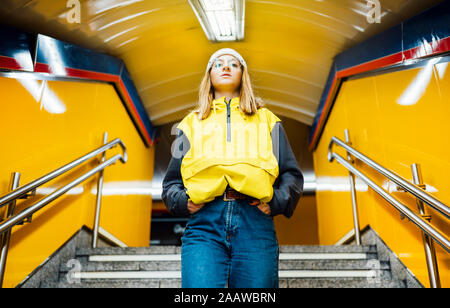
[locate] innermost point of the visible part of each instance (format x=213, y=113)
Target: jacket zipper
x=228, y=121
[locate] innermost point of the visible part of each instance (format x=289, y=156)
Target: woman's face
x=226, y=74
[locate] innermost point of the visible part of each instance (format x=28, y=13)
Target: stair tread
x=283, y=265
x=328, y=249
x=339, y=283
x=283, y=283
x=128, y=250
x=177, y=250
x=176, y=274
x=160, y=266
x=177, y=257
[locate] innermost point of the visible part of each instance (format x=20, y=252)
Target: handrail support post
x=99, y=198
x=353, y=193
x=430, y=252
x=6, y=237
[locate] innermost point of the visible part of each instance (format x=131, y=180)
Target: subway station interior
x=92, y=92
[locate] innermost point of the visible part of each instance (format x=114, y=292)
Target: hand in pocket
x=192, y=207
x=263, y=207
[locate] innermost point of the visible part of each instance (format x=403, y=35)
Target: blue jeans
x=229, y=243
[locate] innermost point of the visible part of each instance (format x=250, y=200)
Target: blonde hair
x=248, y=103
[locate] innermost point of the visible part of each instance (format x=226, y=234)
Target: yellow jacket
x=249, y=153
x=229, y=148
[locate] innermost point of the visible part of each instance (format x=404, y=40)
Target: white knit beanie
x=225, y=51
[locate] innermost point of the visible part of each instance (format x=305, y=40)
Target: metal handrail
x=429, y=232
x=437, y=235
x=23, y=190
x=18, y=218
x=408, y=186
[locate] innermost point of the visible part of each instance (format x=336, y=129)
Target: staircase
x=160, y=267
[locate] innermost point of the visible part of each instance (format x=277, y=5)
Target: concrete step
x=372, y=264
x=329, y=249
x=176, y=265
x=160, y=266
x=341, y=283
x=372, y=274
x=177, y=250
x=120, y=283
x=283, y=283
x=128, y=250
x=164, y=258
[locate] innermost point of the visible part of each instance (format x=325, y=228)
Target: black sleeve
x=173, y=190
x=288, y=186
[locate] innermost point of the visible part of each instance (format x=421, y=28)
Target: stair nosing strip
x=177, y=257
x=177, y=274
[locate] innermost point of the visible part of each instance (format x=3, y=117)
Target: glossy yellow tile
x=46, y=124
x=397, y=119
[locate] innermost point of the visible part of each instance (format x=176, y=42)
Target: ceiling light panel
x=221, y=20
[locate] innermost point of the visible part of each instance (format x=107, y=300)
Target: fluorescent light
x=221, y=20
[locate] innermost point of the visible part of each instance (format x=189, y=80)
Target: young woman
x=232, y=170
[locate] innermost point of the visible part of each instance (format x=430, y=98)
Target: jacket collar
x=221, y=103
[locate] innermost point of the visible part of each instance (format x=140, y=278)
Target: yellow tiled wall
x=397, y=119
x=46, y=124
